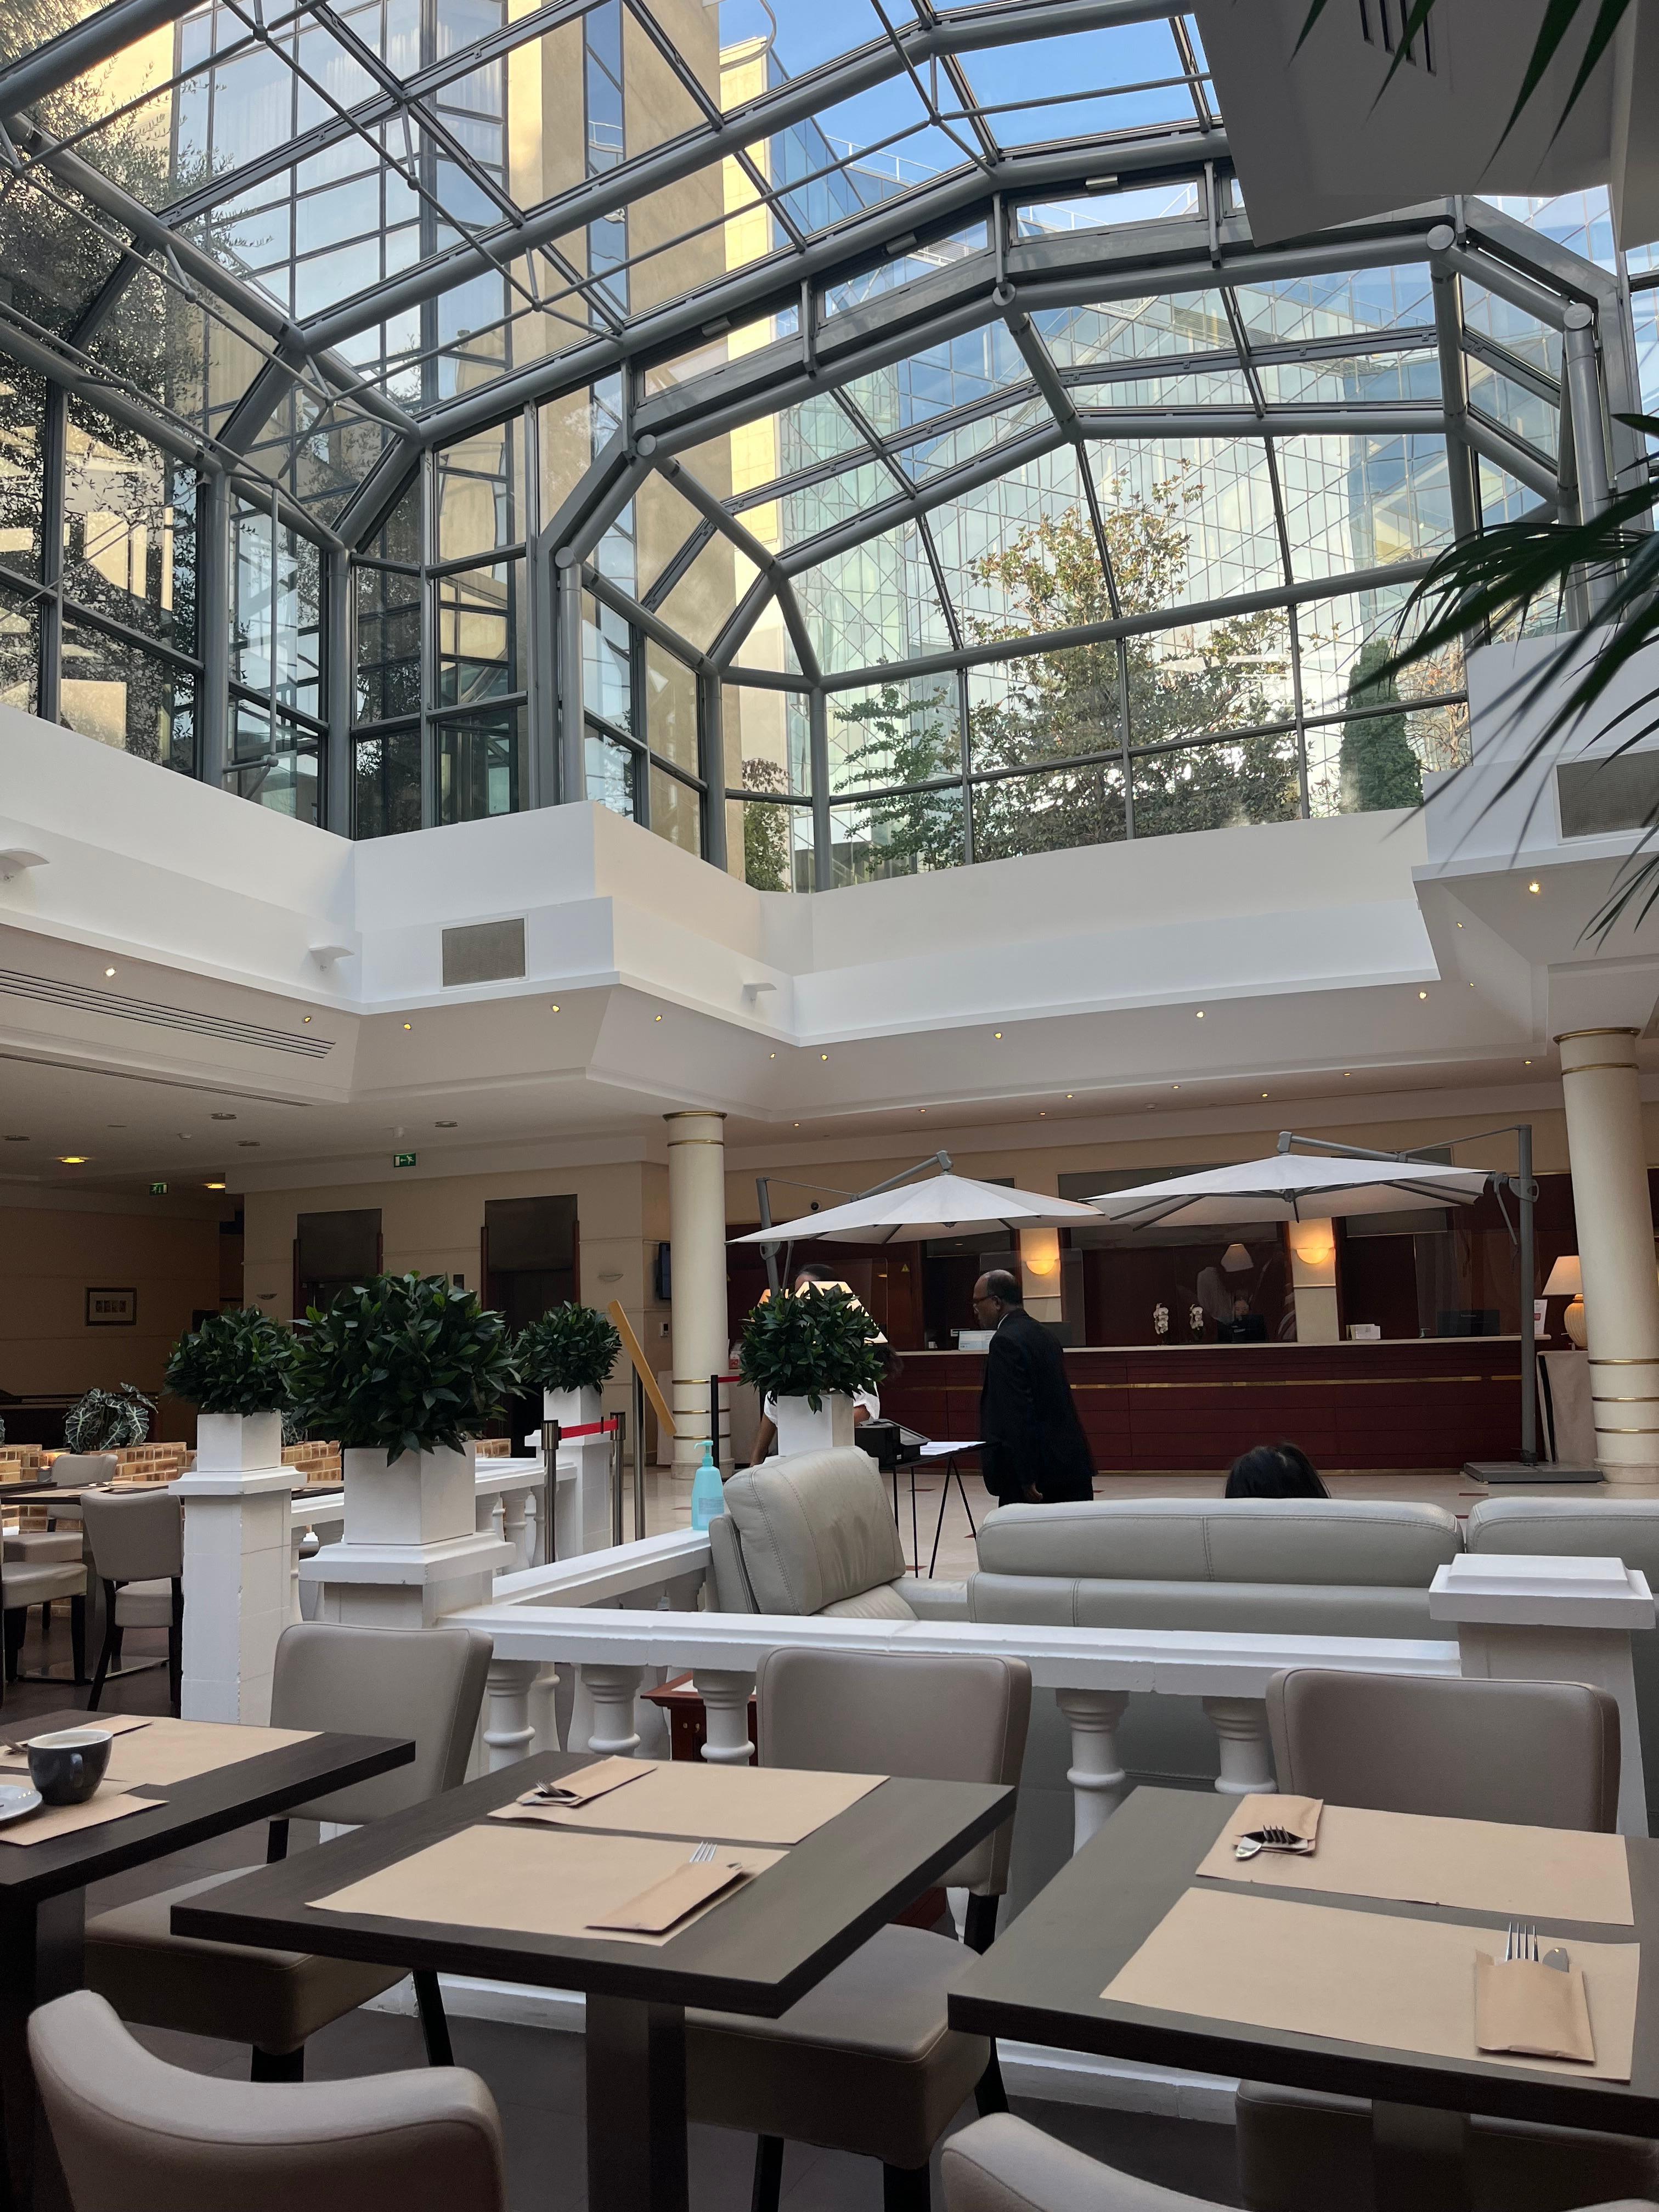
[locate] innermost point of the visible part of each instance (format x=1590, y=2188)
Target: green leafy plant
x=571, y=1348
x=235, y=1363
x=811, y=1343
x=108, y=1420
x=403, y=1362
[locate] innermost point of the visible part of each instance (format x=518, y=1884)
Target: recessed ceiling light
x=72, y=1159
x=1175, y=1087
x=409, y=1025
x=1535, y=888
x=224, y=1117
x=17, y=1141
x=1422, y=994
x=553, y=1004
x=1264, y=1094
x=1525, y=1063
x=109, y=971
x=213, y=1186
x=305, y=1018
x=247, y=1144
x=997, y=1034
x=656, y=1018
x=823, y=1055
x=771, y=1056
x=1071, y=1094
x=1201, y=1013
x=1043, y=1113
x=445, y=1124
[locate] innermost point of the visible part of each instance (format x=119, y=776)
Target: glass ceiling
x=818, y=347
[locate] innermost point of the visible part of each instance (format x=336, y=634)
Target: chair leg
x=176, y=1647
x=278, y=2065
x=46, y=1618
x=435, y=2023
x=78, y=1637
x=907, y=2189
x=275, y=1842
x=769, y=2174
x=17, y=1621
x=111, y=1653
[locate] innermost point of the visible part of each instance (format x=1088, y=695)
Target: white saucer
x=16, y=1799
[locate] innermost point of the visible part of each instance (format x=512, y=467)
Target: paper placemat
x=690, y=1797
x=111, y=1723
x=1402, y=1984
x=170, y=1751
x=54, y=1821
x=522, y=1881
x=1544, y=1874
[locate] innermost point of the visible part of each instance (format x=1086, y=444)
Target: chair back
x=136, y=1538
x=74, y=1470
x=135, y=2135
x=814, y=1532
x=428, y=1683
x=1543, y=1754
x=935, y=1718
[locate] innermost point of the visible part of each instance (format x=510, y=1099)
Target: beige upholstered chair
x=811, y=1533
x=136, y=1545
x=1002, y=2165
x=42, y=1583
x=135, y=2135
x=866, y=2061
x=1544, y=1754
x=75, y=1470
x=425, y=1683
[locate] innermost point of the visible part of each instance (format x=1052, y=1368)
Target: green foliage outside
x=1058, y=709
x=235, y=1363
x=810, y=1344
x=108, y=1420
x=765, y=829
x=571, y=1348
x=1378, y=767
x=403, y=1362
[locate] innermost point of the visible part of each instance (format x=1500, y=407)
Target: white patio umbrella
x=941, y=1206
x=1289, y=1186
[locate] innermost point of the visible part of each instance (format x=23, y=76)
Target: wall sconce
x=1313, y=1243
x=1039, y=1252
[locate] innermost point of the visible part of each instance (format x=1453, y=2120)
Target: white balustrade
x=725, y=1693
x=1095, y=1774
x=614, y=1733
x=509, y=1734
x=1247, y=1759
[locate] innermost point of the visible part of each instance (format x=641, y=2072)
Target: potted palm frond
x=568, y=1353
x=234, y=1370
x=404, y=1370
x=808, y=1352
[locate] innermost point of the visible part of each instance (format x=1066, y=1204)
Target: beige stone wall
x=53, y=1256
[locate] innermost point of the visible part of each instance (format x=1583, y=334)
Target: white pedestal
x=410, y=1552
x=581, y=1509
x=237, y=1557
x=1522, y=1618
x=801, y=1429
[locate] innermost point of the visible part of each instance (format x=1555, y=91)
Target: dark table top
x=1041, y=1982
x=258, y=1788
x=758, y=1952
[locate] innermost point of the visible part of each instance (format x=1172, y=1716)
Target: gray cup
x=69, y=1764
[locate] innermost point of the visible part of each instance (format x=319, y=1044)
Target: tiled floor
x=536, y=2075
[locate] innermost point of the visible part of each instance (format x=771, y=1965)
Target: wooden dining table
x=43, y=1895
x=1042, y=1982
x=757, y=1950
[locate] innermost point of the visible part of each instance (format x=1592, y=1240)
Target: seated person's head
x=1274, y=1471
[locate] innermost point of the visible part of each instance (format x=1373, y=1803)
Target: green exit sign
x=402, y=1159
x=158, y=1190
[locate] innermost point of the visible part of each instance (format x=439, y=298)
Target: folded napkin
x=670, y=1898
x=589, y=1782
x=1534, y=2010
x=1260, y=1816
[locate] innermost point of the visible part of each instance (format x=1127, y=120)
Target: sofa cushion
x=1221, y=1608
x=884, y=1602
x=1596, y=1529
x=815, y=1529
x=1210, y=1539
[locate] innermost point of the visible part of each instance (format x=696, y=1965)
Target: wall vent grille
x=483, y=952
x=83, y=998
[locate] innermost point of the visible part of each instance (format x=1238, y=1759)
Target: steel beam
x=570, y=727
x=598, y=495
x=340, y=677
x=711, y=760
x=1583, y=391
x=1519, y=461
x=84, y=46
x=1453, y=387
x=641, y=619
x=823, y=864
x=213, y=619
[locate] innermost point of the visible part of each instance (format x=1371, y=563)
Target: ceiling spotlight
x=109, y=971
x=1201, y=1013
x=409, y=1025
x=1043, y=1113
x=223, y=1117
x=1264, y=1094
x=1534, y=887
x=17, y=1141
x=823, y=1055
x=1071, y=1094
x=553, y=1004
x=771, y=1056
x=445, y=1124
x=72, y=1159
x=305, y=1018
x=219, y=1185
x=1525, y=1063
x=656, y=1018
x=1422, y=994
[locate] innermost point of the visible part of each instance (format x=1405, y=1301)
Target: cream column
x=1608, y=1160
x=1313, y=1279
x=696, y=1237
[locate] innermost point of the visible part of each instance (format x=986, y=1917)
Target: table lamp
x=1566, y=1281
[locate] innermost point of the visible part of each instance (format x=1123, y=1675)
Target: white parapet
x=236, y=1566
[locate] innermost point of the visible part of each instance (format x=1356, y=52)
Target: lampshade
x=1566, y=1279
x=1234, y=1260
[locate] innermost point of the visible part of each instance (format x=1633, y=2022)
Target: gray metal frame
x=1012, y=280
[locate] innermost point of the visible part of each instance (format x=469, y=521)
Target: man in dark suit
x=1035, y=1452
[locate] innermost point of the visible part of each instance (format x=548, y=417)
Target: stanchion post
x=617, y=1433
x=639, y=1461
x=545, y=1549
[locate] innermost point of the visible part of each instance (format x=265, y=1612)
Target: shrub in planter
x=571, y=1348
x=108, y=1420
x=812, y=1344
x=234, y=1362
x=402, y=1363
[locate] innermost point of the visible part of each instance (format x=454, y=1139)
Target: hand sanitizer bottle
x=707, y=1496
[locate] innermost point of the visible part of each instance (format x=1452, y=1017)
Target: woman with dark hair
x=1274, y=1471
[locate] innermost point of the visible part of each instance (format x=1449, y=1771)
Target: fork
x=1522, y=1942
x=704, y=1854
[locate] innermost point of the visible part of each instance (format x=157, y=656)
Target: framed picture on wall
x=112, y=1309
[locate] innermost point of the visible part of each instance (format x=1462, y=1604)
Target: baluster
x=544, y=1711
x=725, y=1694
x=1247, y=1760
x=613, y=1690
x=508, y=1732
x=1095, y=1775
x=513, y=1528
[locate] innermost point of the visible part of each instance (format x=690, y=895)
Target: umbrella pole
x=1526, y=1191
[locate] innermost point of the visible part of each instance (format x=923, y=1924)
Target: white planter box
x=421, y=1498
x=238, y=1443
x=571, y=1409
x=801, y=1429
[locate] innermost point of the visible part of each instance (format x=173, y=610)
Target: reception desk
x=1416, y=1403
